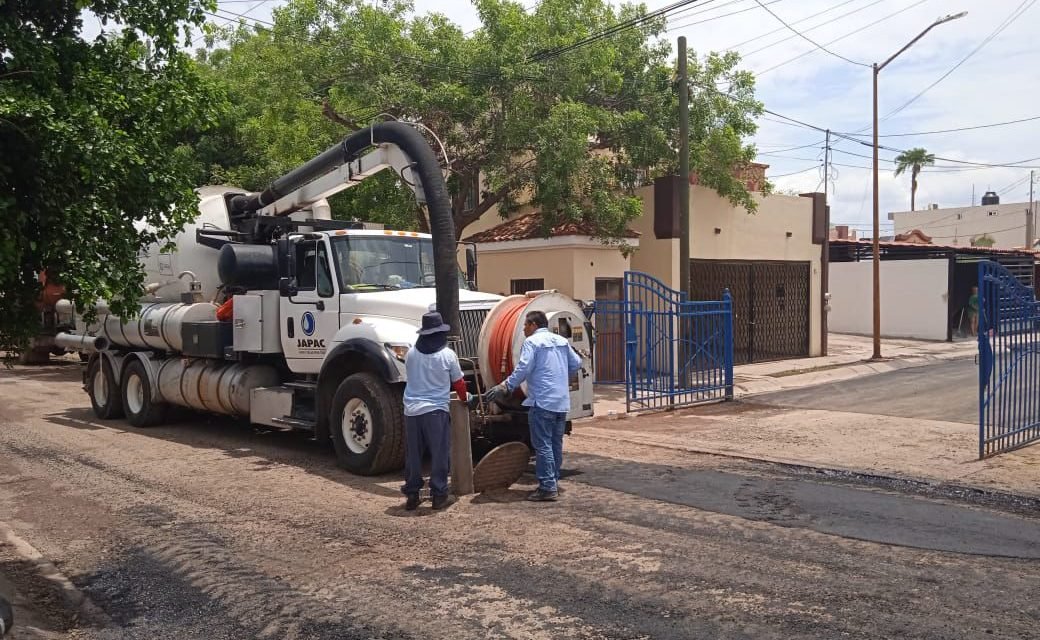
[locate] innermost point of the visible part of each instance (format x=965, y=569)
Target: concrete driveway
x=945, y=391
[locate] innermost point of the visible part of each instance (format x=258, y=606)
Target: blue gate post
x=985, y=358
x=727, y=305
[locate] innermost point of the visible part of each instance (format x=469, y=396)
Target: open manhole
x=501, y=467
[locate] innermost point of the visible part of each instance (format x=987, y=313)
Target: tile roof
x=529, y=227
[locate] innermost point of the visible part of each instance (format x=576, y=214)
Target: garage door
x=770, y=305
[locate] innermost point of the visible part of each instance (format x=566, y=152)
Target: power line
x=724, y=15
x=839, y=38
x=807, y=38
x=784, y=175
x=778, y=29
x=927, y=133
x=1017, y=13
x=618, y=28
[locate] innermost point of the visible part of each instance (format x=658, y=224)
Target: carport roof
x=852, y=248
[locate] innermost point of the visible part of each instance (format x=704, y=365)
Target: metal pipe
x=76, y=342
x=428, y=171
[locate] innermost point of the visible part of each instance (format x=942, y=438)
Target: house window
x=520, y=287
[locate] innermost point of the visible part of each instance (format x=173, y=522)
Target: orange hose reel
x=500, y=342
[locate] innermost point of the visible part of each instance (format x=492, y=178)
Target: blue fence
x=677, y=352
x=1009, y=361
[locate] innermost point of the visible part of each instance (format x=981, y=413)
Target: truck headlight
x=399, y=350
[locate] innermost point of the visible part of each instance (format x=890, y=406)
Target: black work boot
x=443, y=502
x=542, y=495
x=412, y=503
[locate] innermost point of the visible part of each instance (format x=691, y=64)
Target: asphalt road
x=207, y=529
x=947, y=391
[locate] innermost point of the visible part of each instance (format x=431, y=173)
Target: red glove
x=459, y=386
x=226, y=311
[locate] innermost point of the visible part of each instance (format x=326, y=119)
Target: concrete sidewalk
x=900, y=447
x=905, y=448
x=848, y=357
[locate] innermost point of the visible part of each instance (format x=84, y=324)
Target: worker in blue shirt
x=546, y=364
x=433, y=372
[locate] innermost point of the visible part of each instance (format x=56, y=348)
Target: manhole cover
x=501, y=467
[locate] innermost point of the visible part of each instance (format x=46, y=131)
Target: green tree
x=97, y=146
x=572, y=134
x=913, y=159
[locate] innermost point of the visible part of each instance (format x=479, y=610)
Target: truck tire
x=141, y=410
x=367, y=424
x=104, y=394
x=6, y=616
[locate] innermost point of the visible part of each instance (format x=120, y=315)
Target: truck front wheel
x=367, y=425
x=103, y=390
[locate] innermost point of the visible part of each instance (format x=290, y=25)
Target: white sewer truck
x=316, y=315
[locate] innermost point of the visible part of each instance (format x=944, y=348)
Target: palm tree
x=913, y=159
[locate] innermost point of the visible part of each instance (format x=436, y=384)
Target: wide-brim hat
x=432, y=322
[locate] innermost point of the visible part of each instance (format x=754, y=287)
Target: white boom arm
x=383, y=156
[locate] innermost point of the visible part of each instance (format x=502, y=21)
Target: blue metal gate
x=677, y=352
x=1009, y=361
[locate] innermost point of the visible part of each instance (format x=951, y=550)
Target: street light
x=877, y=230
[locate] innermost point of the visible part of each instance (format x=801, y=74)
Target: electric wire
x=809, y=17
x=842, y=37
x=807, y=38
x=1017, y=13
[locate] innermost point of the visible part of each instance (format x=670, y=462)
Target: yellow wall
x=742, y=236
x=571, y=270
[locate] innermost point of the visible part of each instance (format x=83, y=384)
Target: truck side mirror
x=287, y=287
x=471, y=267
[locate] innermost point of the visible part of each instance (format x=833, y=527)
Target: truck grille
x=471, y=321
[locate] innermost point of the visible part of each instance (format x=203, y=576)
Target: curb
x=73, y=597
x=857, y=369
x=895, y=477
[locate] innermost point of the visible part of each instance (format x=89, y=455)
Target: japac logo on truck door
x=309, y=346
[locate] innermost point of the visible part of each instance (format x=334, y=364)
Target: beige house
x=770, y=261
x=517, y=257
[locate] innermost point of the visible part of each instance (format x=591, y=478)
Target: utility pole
x=876, y=257
x=825, y=253
x=1031, y=214
x=684, y=170
x=877, y=224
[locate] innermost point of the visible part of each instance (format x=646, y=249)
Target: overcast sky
x=996, y=83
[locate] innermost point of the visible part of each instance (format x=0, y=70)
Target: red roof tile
x=529, y=227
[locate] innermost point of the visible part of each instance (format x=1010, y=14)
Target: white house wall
x=914, y=298
x=1005, y=223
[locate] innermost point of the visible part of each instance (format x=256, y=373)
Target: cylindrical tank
x=990, y=198
x=158, y=326
x=250, y=266
x=212, y=385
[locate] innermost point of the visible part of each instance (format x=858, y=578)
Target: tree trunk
x=913, y=187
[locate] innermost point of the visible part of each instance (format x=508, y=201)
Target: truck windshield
x=384, y=262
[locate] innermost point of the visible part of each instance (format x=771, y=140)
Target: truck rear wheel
x=367, y=424
x=141, y=410
x=103, y=390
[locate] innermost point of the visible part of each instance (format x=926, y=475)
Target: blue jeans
x=433, y=431
x=547, y=429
